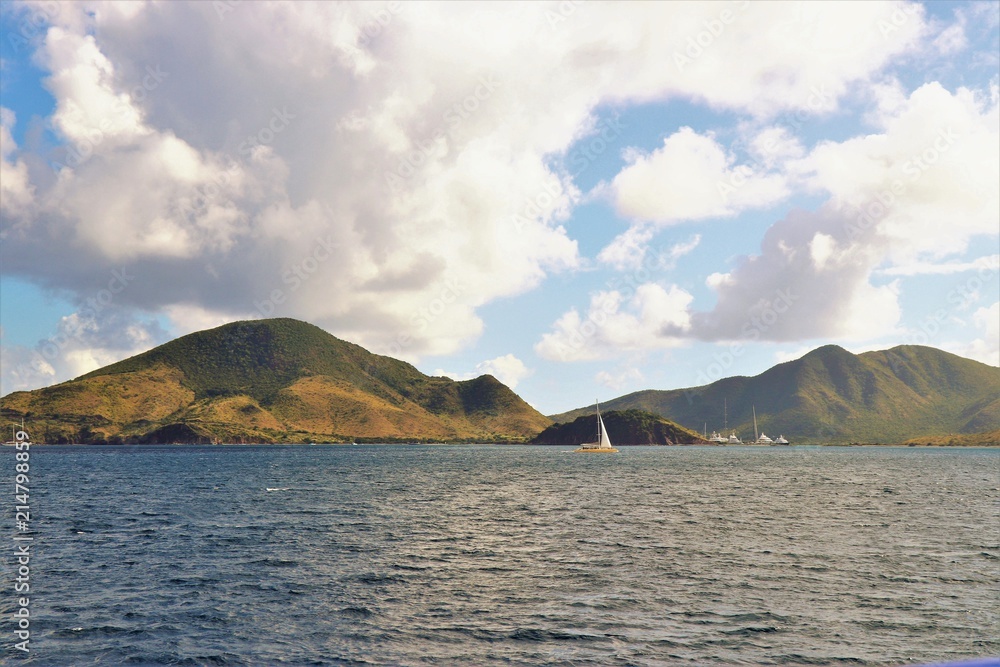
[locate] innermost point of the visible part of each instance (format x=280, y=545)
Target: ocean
x=508, y=555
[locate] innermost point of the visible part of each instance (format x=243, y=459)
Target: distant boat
x=759, y=439
x=781, y=440
x=720, y=439
x=20, y=436
x=603, y=444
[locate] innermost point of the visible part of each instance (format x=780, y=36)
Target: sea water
x=475, y=555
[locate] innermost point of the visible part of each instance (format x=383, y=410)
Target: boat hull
x=596, y=450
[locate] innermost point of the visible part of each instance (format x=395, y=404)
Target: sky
x=584, y=199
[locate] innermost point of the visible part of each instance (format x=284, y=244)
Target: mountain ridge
x=277, y=380
x=831, y=395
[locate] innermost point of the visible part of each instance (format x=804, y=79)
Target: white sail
x=604, y=440
x=603, y=443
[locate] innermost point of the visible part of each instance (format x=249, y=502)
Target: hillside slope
x=832, y=395
x=276, y=380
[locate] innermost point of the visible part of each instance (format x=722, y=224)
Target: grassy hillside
x=277, y=380
x=625, y=427
x=831, y=395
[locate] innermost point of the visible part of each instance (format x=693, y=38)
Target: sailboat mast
x=756, y=436
x=725, y=417
x=597, y=404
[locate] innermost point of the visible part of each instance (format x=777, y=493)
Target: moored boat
x=20, y=436
x=603, y=444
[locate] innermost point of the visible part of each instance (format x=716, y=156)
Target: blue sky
x=584, y=199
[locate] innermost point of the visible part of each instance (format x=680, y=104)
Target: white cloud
x=508, y=369
x=926, y=184
x=628, y=249
x=910, y=196
x=917, y=268
x=376, y=184
x=691, y=177
x=987, y=348
x=617, y=322
x=83, y=341
x=791, y=354
x=16, y=192
x=618, y=379
x=951, y=40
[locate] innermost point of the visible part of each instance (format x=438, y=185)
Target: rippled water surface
x=438, y=555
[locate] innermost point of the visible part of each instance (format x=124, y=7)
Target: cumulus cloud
x=691, y=177
x=508, y=369
x=83, y=341
x=901, y=202
x=362, y=176
x=808, y=282
x=648, y=317
x=16, y=192
x=923, y=186
x=987, y=348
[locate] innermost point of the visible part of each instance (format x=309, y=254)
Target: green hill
x=625, y=427
x=833, y=396
x=277, y=380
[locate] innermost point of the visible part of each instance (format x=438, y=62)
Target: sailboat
x=20, y=435
x=603, y=444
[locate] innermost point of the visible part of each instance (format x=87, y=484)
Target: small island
x=625, y=427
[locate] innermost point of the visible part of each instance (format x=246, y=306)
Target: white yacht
x=781, y=440
x=733, y=440
x=759, y=439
